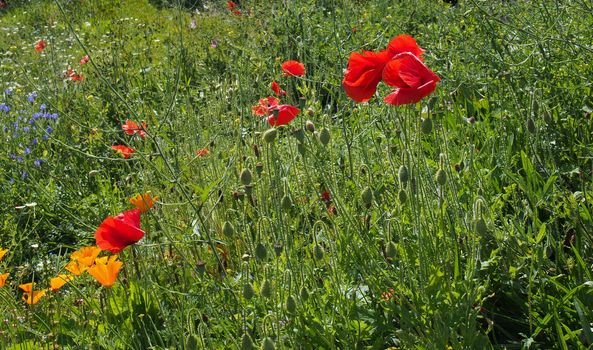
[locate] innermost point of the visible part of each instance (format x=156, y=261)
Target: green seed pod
x=481, y=227
x=248, y=291
x=530, y=125
x=547, y=117
x=286, y=202
x=290, y=304
x=228, y=229
x=201, y=267
x=426, y=125
x=390, y=250
x=402, y=195
x=191, y=343
x=270, y=135
x=278, y=249
x=268, y=344
x=310, y=126
x=304, y=294
x=440, y=177
x=301, y=149
x=367, y=196
x=403, y=174
x=261, y=252
x=247, y=342
x=249, y=190
x=266, y=289
x=299, y=134
x=324, y=136
x=318, y=252
x=245, y=177
x=259, y=168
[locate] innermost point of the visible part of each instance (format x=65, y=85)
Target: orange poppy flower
x=31, y=296
x=58, y=282
x=75, y=267
x=40, y=45
x=86, y=255
x=143, y=201
x=3, y=279
x=293, y=68
x=105, y=270
x=125, y=151
x=2, y=253
x=202, y=152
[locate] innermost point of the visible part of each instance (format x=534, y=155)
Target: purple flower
x=11, y=181
x=8, y=91
x=4, y=107
x=49, y=129
x=214, y=43
x=35, y=141
x=38, y=162
x=27, y=151
x=24, y=175
x=42, y=107
x=32, y=97
x=26, y=129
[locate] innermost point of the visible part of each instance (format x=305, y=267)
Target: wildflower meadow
x=296, y=174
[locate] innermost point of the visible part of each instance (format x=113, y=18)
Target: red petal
x=286, y=113
x=406, y=70
x=116, y=233
x=364, y=74
x=403, y=96
x=404, y=43
x=293, y=68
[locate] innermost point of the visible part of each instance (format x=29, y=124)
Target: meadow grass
x=365, y=228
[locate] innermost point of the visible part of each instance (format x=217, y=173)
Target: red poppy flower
x=264, y=106
x=365, y=70
x=117, y=232
x=325, y=196
x=284, y=115
x=231, y=5
x=277, y=89
x=130, y=127
x=237, y=13
x=125, y=151
x=202, y=152
x=293, y=68
x=412, y=79
x=40, y=45
x=84, y=59
x=364, y=74
x=72, y=75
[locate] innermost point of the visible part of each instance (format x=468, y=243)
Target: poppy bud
x=278, y=249
x=266, y=289
x=402, y=196
x=301, y=149
x=246, y=177
x=426, y=125
x=261, y=252
x=248, y=291
x=310, y=111
x=304, y=294
x=247, y=342
x=367, y=196
x=530, y=125
x=268, y=344
x=238, y=195
x=201, y=267
x=192, y=342
x=299, y=134
x=259, y=168
x=547, y=117
x=270, y=135
x=290, y=304
x=228, y=229
x=324, y=136
x=390, y=250
x=318, y=252
x=310, y=126
x=93, y=173
x=403, y=174
x=440, y=177
x=286, y=202
x=481, y=227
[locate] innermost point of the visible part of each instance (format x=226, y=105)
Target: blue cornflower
x=38, y=162
x=4, y=107
x=24, y=175
x=35, y=141
x=27, y=151
x=46, y=137
x=32, y=97
x=49, y=129
x=42, y=107
x=8, y=91
x=11, y=181
x=26, y=129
